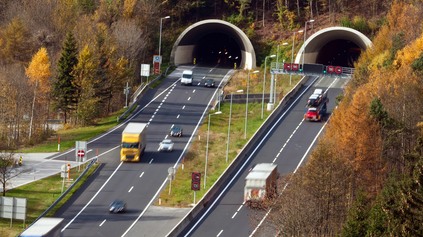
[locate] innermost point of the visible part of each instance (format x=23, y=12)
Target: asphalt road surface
x=288, y=145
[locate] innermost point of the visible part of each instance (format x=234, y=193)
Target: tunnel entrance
x=214, y=42
x=339, y=52
x=217, y=49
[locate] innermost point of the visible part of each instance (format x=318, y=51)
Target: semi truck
x=44, y=227
x=133, y=142
x=261, y=185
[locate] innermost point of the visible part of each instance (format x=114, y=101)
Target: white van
x=186, y=78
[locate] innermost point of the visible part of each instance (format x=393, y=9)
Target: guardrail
x=236, y=163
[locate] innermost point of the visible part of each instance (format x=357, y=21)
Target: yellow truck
x=133, y=142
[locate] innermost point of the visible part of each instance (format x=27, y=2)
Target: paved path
x=36, y=166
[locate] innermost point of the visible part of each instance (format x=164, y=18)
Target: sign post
x=171, y=176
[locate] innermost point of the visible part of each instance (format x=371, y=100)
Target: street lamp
x=246, y=103
x=207, y=148
x=264, y=82
x=160, y=35
x=292, y=55
x=305, y=37
x=229, y=126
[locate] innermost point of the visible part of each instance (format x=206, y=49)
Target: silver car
x=166, y=145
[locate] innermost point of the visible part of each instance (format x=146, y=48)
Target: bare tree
x=8, y=168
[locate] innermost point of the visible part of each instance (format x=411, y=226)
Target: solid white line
x=130, y=189
x=141, y=174
x=102, y=222
x=219, y=233
x=95, y=195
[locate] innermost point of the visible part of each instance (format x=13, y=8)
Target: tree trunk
x=32, y=111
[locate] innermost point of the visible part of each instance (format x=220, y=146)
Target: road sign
x=195, y=181
x=81, y=153
x=145, y=70
x=156, y=68
x=157, y=59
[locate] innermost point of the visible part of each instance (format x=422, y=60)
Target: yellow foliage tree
x=38, y=72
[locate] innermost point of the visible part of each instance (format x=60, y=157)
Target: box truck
x=133, y=142
x=186, y=78
x=261, y=185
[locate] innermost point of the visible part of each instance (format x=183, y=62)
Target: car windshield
x=166, y=142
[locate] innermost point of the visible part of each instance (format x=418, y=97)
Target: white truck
x=133, y=142
x=261, y=185
x=186, y=78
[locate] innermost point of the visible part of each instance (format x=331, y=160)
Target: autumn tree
x=86, y=81
x=64, y=88
x=38, y=72
x=17, y=42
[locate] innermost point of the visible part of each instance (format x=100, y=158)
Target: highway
x=287, y=143
x=86, y=214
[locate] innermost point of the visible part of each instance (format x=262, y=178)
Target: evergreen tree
x=64, y=91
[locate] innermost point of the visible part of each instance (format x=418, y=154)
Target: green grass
x=69, y=136
x=40, y=195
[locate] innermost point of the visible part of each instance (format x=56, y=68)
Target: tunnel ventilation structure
x=340, y=46
x=214, y=42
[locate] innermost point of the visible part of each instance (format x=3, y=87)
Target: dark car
x=117, y=206
x=209, y=83
x=176, y=131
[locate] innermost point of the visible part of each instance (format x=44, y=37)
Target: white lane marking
x=219, y=233
x=172, y=125
x=233, y=216
x=151, y=161
x=141, y=174
x=183, y=107
x=130, y=189
x=240, y=206
x=98, y=191
x=204, y=77
x=177, y=116
x=193, y=91
x=102, y=222
x=189, y=98
x=211, y=70
x=90, y=150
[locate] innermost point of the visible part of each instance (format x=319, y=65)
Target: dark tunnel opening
x=339, y=53
x=217, y=49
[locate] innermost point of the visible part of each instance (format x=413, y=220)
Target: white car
x=166, y=145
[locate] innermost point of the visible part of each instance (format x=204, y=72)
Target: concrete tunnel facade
x=217, y=42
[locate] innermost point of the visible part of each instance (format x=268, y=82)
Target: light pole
x=160, y=35
x=246, y=103
x=305, y=37
x=207, y=148
x=292, y=54
x=264, y=82
x=229, y=126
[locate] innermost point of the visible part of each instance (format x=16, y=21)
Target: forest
x=71, y=59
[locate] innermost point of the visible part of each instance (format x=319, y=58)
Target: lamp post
x=305, y=37
x=160, y=35
x=229, y=126
x=246, y=103
x=264, y=82
x=292, y=54
x=207, y=148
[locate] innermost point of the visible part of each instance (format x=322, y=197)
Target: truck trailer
x=261, y=185
x=133, y=142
